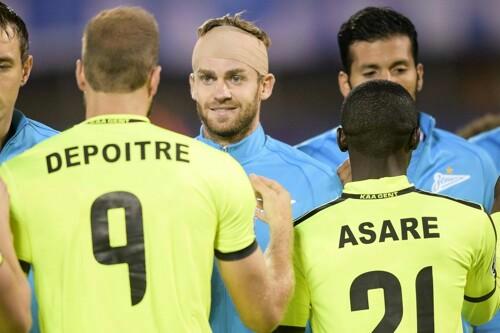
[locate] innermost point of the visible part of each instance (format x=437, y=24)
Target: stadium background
x=459, y=46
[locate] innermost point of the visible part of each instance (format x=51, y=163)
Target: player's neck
x=363, y=168
x=133, y=103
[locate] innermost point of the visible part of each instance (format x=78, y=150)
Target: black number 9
x=133, y=252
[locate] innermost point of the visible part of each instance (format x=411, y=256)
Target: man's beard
x=239, y=127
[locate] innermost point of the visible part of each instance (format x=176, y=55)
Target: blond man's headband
x=228, y=42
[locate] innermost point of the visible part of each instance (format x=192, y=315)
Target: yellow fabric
x=449, y=252
x=191, y=198
x=228, y=42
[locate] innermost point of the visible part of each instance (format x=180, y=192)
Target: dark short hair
x=9, y=18
x=378, y=118
x=120, y=48
x=371, y=24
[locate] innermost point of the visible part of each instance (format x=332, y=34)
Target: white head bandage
x=228, y=42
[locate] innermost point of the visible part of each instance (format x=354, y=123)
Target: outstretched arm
x=261, y=284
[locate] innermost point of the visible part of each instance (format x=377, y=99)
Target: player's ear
x=420, y=77
x=27, y=66
x=80, y=76
x=192, y=87
x=414, y=139
x=344, y=85
x=266, y=85
x=341, y=139
x=154, y=81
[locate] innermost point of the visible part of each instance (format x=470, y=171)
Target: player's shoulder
x=45, y=144
x=315, y=213
x=293, y=156
x=319, y=141
x=458, y=146
x=199, y=150
x=38, y=129
x=451, y=204
x=491, y=135
x=449, y=141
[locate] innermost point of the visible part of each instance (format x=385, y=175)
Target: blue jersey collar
x=427, y=126
x=243, y=150
x=17, y=123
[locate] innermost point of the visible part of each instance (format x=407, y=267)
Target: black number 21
x=394, y=300
x=133, y=253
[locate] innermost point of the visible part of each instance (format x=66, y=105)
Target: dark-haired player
x=380, y=43
x=387, y=257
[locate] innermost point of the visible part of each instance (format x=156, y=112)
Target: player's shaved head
x=379, y=118
x=120, y=49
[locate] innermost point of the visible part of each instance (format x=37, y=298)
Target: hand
x=273, y=201
x=344, y=172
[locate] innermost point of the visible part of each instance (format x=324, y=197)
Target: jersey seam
x=463, y=202
x=316, y=210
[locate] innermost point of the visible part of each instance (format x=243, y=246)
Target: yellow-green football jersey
x=386, y=257
x=120, y=220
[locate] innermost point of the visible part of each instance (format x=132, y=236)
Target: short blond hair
x=120, y=49
x=235, y=21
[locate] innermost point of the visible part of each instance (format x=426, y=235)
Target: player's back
x=393, y=260
x=120, y=219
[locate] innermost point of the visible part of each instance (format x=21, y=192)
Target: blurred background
x=459, y=47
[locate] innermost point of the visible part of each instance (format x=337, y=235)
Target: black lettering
x=427, y=227
x=69, y=156
x=88, y=151
x=127, y=151
x=179, y=151
x=106, y=155
x=58, y=162
x=162, y=146
x=142, y=145
x=388, y=231
x=409, y=225
x=365, y=229
x=346, y=236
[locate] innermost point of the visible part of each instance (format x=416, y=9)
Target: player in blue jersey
x=230, y=79
x=380, y=43
x=17, y=132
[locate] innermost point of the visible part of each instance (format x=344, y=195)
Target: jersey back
x=397, y=261
x=120, y=220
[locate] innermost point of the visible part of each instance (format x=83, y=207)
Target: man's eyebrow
x=370, y=66
x=205, y=71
